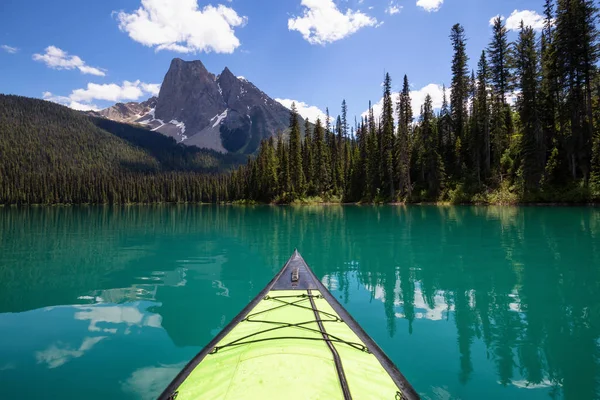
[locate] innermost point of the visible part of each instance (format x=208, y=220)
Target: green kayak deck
x=293, y=341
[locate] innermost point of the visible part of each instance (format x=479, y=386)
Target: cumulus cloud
x=393, y=8
x=66, y=101
x=322, y=22
x=59, y=354
x=59, y=59
x=9, y=49
x=306, y=111
x=181, y=26
x=82, y=99
x=529, y=18
x=418, y=98
x=430, y=5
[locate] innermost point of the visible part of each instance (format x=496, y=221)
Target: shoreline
x=323, y=204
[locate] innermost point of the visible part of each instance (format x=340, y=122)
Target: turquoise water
x=469, y=302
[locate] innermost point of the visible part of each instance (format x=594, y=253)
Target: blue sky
x=93, y=53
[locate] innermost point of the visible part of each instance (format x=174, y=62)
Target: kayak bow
x=293, y=340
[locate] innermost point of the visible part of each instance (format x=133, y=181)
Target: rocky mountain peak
x=222, y=113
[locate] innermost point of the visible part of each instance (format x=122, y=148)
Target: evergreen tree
x=388, y=137
x=433, y=169
x=483, y=142
x=459, y=95
x=531, y=141
x=500, y=62
x=307, y=156
x=403, y=151
x=576, y=46
x=295, y=158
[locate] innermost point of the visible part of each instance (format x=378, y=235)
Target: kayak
x=294, y=340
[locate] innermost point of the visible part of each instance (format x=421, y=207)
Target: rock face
x=224, y=112
x=127, y=112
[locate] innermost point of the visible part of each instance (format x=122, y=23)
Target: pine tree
x=548, y=86
x=403, y=151
x=500, y=63
x=483, y=116
x=307, y=156
x=532, y=141
x=321, y=176
x=373, y=157
x=295, y=158
x=459, y=95
x=446, y=137
x=388, y=137
x=433, y=169
x=576, y=46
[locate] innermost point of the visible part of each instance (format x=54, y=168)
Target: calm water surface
x=470, y=302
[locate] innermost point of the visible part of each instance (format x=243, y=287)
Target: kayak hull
x=293, y=340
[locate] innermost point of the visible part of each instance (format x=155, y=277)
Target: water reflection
x=468, y=301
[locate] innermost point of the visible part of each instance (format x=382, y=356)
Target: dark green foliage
x=51, y=154
x=405, y=119
x=528, y=106
x=458, y=98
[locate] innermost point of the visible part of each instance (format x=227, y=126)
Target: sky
x=91, y=54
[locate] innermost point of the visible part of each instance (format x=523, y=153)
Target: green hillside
x=52, y=154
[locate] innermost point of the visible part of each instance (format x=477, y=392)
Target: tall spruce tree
x=532, y=140
x=403, y=151
x=482, y=109
x=307, y=156
x=459, y=96
x=295, y=158
x=576, y=46
x=388, y=138
x=433, y=169
x=500, y=63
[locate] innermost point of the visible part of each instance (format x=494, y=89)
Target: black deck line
x=307, y=281
x=336, y=357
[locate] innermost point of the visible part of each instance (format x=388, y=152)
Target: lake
x=469, y=302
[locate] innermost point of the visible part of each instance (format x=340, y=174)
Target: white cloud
x=144, y=383
x=82, y=99
x=430, y=5
x=306, y=111
x=393, y=9
x=66, y=101
x=418, y=98
x=9, y=49
x=322, y=22
x=529, y=18
x=59, y=354
x=59, y=59
x=152, y=88
x=181, y=26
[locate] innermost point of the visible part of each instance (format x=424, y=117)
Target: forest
x=478, y=148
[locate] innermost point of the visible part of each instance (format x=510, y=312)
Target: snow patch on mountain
x=219, y=118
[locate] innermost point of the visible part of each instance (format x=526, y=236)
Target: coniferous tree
x=433, y=169
x=446, y=136
x=308, y=157
x=403, y=151
x=388, y=137
x=576, y=46
x=295, y=156
x=483, y=142
x=531, y=141
x=500, y=62
x=459, y=95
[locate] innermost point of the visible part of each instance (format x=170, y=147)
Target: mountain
x=223, y=112
x=127, y=112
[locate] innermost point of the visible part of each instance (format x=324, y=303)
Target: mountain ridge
x=225, y=113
